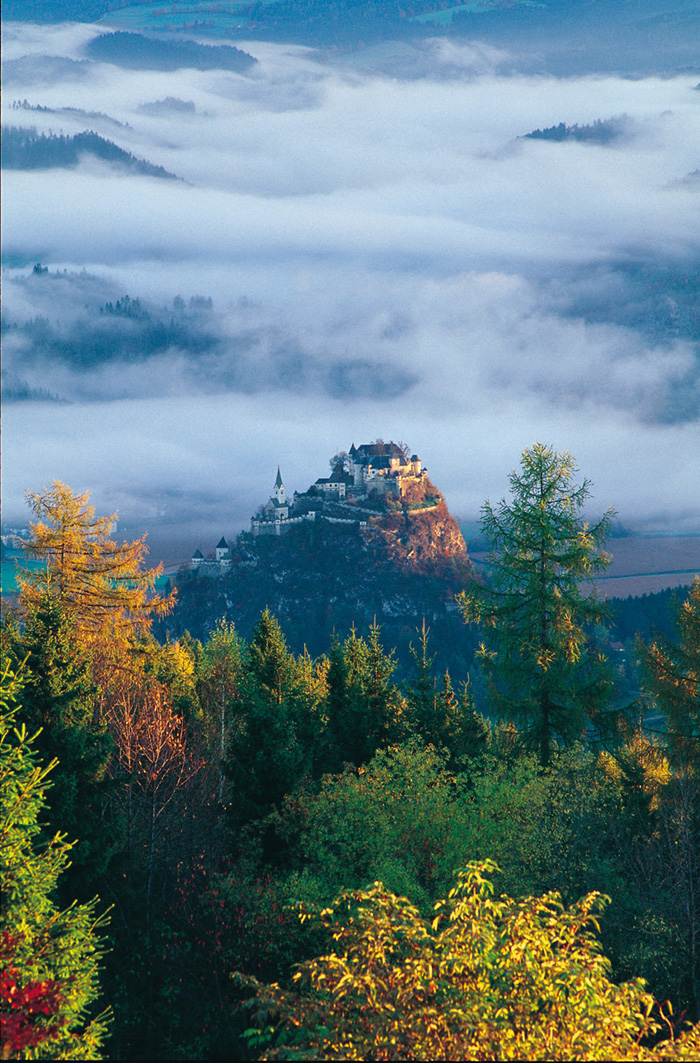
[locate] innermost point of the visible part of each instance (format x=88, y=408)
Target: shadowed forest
x=217, y=795
x=348, y=793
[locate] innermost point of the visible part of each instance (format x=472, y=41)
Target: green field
x=224, y=17
x=445, y=15
x=8, y=573
x=206, y=16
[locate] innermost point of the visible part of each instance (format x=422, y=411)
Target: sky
x=386, y=258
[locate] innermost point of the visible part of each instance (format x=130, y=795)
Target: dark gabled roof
x=377, y=450
x=339, y=475
x=278, y=481
x=222, y=544
x=198, y=553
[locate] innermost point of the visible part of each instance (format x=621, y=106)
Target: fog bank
x=349, y=255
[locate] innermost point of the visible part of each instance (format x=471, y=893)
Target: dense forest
x=137, y=52
x=217, y=795
x=27, y=149
x=68, y=112
x=602, y=131
x=119, y=330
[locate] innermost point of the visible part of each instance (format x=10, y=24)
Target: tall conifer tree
x=544, y=671
x=101, y=584
x=58, y=703
x=50, y=957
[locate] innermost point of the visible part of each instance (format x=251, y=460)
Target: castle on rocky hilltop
x=360, y=479
x=372, y=471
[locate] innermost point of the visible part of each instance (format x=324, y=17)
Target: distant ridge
x=602, y=131
x=26, y=149
x=137, y=52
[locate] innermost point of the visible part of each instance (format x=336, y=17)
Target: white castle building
x=374, y=469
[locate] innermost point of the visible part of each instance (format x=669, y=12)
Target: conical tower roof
x=278, y=481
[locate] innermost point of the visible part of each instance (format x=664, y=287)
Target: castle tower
x=279, y=489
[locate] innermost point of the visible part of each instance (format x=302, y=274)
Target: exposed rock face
x=418, y=531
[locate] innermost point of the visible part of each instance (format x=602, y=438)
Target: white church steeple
x=279, y=494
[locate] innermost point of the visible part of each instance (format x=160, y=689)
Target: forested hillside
x=136, y=52
x=26, y=149
x=219, y=789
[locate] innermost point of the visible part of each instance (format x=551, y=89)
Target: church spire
x=279, y=489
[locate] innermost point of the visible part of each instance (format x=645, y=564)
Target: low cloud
x=384, y=257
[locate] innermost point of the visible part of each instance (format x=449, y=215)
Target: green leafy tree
x=219, y=673
x=50, y=981
x=486, y=979
x=543, y=669
x=403, y=818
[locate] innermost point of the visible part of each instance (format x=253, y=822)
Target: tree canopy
x=50, y=978
x=485, y=979
x=673, y=674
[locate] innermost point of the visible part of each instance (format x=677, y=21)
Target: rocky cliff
x=418, y=531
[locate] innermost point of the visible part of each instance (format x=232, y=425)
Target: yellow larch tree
x=100, y=583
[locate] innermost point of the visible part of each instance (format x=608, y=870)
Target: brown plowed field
x=644, y=565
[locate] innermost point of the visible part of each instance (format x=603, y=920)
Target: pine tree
x=366, y=711
x=544, y=670
x=58, y=703
x=50, y=979
x=673, y=676
x=440, y=716
x=265, y=759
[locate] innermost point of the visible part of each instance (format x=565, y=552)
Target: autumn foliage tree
x=100, y=583
x=155, y=765
x=485, y=979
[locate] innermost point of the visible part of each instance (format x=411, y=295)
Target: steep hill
x=404, y=565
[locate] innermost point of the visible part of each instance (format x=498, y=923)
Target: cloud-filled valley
x=349, y=254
